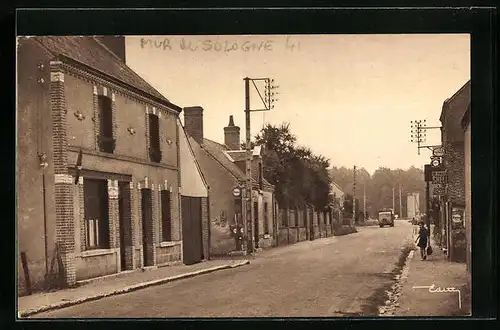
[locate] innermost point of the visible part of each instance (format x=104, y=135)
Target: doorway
x=147, y=227
x=125, y=225
x=192, y=246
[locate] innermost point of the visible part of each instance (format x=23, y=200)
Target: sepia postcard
x=231, y=176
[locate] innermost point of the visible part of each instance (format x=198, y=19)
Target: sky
x=350, y=98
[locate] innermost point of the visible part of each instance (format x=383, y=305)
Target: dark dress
x=422, y=234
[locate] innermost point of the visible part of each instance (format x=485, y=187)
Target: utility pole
x=400, y=203
x=248, y=192
x=354, y=195
x=393, y=201
x=364, y=200
x=268, y=101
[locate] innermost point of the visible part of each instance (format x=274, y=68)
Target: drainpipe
x=209, y=223
x=45, y=230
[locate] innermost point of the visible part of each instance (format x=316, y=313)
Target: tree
x=300, y=177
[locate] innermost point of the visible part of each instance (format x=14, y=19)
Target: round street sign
x=438, y=151
x=236, y=192
x=435, y=162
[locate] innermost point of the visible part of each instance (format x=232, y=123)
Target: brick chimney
x=116, y=44
x=193, y=122
x=232, y=135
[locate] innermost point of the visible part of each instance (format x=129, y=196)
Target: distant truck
x=386, y=217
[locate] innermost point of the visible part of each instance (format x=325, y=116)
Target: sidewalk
x=416, y=298
x=117, y=284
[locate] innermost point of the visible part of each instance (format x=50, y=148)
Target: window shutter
x=154, y=138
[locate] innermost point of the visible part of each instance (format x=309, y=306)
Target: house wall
x=34, y=135
x=193, y=185
x=130, y=157
x=221, y=201
x=468, y=199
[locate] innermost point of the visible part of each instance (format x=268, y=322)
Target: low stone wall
x=345, y=230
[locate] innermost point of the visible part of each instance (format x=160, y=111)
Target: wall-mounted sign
x=435, y=162
x=236, y=192
x=439, y=177
x=438, y=151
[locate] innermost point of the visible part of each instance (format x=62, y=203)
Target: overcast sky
x=349, y=98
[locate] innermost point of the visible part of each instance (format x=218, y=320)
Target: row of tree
x=300, y=177
x=378, y=188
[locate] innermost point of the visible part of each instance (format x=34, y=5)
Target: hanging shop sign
x=457, y=217
x=438, y=151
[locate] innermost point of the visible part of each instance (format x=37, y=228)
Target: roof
x=220, y=153
x=191, y=151
x=90, y=52
x=237, y=155
x=466, y=118
x=448, y=100
x=336, y=185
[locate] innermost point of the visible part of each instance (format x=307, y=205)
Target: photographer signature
x=433, y=289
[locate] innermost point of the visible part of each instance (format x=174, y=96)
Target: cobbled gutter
x=384, y=301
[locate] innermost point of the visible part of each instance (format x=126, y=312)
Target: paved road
x=334, y=276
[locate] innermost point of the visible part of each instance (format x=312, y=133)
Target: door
x=125, y=228
x=191, y=230
x=256, y=223
x=147, y=226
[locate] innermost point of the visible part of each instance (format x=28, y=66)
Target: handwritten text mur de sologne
x=214, y=45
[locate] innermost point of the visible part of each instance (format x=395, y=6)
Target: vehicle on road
x=386, y=217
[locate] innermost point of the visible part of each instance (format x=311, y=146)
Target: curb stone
x=130, y=288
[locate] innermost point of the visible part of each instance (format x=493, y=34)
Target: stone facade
x=452, y=139
x=59, y=119
x=468, y=193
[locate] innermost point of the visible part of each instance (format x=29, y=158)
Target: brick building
x=453, y=203
x=466, y=126
x=99, y=175
x=223, y=165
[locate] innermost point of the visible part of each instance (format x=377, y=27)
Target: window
x=154, y=138
x=166, y=216
x=96, y=215
x=266, y=218
x=106, y=141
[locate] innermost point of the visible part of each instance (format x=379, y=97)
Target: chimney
x=116, y=44
x=232, y=135
x=193, y=122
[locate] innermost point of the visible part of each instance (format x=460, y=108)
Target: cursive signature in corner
x=433, y=289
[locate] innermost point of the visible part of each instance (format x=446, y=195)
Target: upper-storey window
x=106, y=141
x=154, y=138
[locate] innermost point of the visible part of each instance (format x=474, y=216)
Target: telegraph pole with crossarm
x=268, y=101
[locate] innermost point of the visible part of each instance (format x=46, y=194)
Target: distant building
x=338, y=197
x=337, y=194
x=413, y=205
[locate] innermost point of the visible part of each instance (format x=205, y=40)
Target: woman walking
x=422, y=239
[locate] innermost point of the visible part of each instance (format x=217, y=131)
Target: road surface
x=336, y=276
